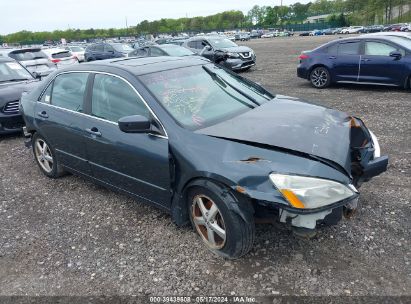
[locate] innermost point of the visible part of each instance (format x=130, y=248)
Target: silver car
x=34, y=59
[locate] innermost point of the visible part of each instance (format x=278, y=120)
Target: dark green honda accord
x=206, y=145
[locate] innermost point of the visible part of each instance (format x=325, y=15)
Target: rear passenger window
x=68, y=91
x=47, y=94
x=192, y=44
x=333, y=49
x=156, y=52
x=349, y=48
x=113, y=99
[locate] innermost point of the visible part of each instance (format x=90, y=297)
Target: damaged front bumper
x=327, y=215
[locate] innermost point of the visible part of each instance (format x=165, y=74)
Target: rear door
x=135, y=163
x=347, y=61
x=377, y=66
x=98, y=52
x=59, y=118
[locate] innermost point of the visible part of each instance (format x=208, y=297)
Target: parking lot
x=71, y=237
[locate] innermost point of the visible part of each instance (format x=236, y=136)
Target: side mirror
x=208, y=48
x=134, y=124
x=396, y=54
x=36, y=75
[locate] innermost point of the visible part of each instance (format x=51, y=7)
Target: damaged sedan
x=202, y=143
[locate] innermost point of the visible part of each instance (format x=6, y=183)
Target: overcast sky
x=48, y=15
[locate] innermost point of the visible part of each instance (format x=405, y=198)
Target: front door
x=135, y=163
x=377, y=66
x=60, y=120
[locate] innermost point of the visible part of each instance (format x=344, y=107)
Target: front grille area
x=245, y=55
x=11, y=107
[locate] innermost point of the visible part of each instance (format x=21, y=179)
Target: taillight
x=303, y=56
x=55, y=60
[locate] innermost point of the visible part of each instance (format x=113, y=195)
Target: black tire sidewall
x=54, y=172
x=327, y=84
x=232, y=221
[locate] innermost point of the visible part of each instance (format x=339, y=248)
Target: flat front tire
x=222, y=230
x=45, y=157
x=320, y=77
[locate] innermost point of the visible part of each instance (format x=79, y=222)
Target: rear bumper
x=302, y=72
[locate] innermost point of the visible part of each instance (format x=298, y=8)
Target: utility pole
x=126, y=26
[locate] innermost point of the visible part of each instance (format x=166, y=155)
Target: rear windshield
x=23, y=55
x=61, y=55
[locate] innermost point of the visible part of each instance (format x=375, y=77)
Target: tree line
x=342, y=12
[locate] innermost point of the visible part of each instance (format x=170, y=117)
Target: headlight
x=377, y=149
x=309, y=192
x=233, y=55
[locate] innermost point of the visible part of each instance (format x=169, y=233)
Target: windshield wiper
x=215, y=75
x=14, y=80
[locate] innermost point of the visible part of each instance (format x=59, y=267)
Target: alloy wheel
x=43, y=155
x=209, y=221
x=319, y=77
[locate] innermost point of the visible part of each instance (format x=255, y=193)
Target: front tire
x=320, y=77
x=45, y=157
x=223, y=231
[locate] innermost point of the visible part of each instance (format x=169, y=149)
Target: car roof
x=146, y=65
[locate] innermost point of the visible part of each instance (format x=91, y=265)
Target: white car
x=267, y=35
x=352, y=30
x=60, y=57
x=77, y=51
x=406, y=28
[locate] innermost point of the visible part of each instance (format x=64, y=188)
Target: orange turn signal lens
x=292, y=198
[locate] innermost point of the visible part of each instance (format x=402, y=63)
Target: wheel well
x=179, y=210
x=316, y=66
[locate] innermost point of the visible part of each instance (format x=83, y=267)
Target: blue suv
x=100, y=51
x=376, y=60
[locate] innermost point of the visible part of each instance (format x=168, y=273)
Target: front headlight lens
x=309, y=192
x=233, y=55
x=377, y=149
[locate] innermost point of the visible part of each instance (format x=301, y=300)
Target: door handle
x=332, y=57
x=94, y=131
x=43, y=114
x=365, y=60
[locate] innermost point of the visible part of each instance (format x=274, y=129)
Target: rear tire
x=320, y=77
x=45, y=157
x=222, y=230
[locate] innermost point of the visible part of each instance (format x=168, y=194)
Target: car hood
x=237, y=49
x=294, y=125
x=13, y=91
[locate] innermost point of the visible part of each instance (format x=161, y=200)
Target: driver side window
x=373, y=48
x=113, y=99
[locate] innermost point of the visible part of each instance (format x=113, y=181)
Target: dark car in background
x=162, y=50
x=101, y=51
x=14, y=80
x=237, y=58
x=202, y=143
x=369, y=59
x=34, y=59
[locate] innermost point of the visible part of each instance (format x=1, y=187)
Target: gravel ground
x=71, y=237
